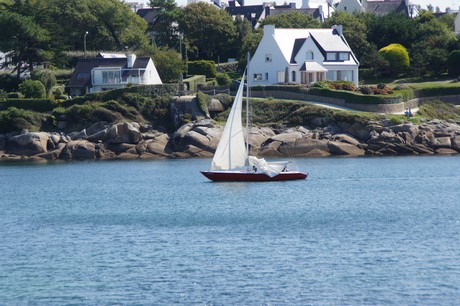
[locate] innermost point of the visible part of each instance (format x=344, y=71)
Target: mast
x=247, y=107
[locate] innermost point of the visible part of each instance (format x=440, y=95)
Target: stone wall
x=375, y=108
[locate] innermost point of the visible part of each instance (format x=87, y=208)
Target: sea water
x=358, y=231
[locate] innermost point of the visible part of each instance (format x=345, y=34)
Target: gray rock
x=78, y=135
x=346, y=138
x=340, y=148
x=456, y=143
x=96, y=127
x=79, y=149
x=441, y=142
x=123, y=133
x=28, y=144
x=303, y=146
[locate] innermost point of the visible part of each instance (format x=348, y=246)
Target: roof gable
x=290, y=41
x=386, y=7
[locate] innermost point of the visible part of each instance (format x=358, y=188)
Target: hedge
x=144, y=90
x=436, y=91
x=39, y=105
x=351, y=97
x=192, y=82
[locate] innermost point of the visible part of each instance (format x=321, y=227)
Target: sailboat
x=232, y=162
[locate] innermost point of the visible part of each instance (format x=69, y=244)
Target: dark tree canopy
x=208, y=30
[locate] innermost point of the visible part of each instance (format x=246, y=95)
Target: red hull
x=245, y=176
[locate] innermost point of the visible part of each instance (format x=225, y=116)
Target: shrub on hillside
x=33, y=89
x=223, y=79
x=15, y=119
x=397, y=56
x=366, y=90
x=323, y=84
x=46, y=77
x=207, y=68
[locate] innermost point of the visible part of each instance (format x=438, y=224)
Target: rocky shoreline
x=199, y=139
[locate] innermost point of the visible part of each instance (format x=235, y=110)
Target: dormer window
x=268, y=58
x=309, y=56
x=338, y=56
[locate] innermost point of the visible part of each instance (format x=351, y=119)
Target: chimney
x=305, y=3
x=269, y=29
x=338, y=29
x=131, y=59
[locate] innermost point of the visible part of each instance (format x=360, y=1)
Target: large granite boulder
x=30, y=143
x=79, y=149
x=341, y=148
x=304, y=147
x=123, y=133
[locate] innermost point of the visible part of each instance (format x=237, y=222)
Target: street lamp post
x=84, y=42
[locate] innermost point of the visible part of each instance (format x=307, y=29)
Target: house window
x=344, y=56
x=110, y=77
x=331, y=56
x=293, y=76
x=268, y=58
x=266, y=76
x=257, y=76
x=82, y=75
x=309, y=56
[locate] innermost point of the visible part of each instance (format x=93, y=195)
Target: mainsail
x=231, y=151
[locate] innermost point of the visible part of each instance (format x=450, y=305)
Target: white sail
x=231, y=151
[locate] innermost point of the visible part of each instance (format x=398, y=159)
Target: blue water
x=359, y=231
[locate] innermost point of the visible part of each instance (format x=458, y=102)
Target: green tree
x=434, y=43
x=168, y=63
x=32, y=89
x=397, y=56
x=23, y=37
x=391, y=28
x=453, y=63
x=293, y=19
x=166, y=32
x=243, y=29
x=207, y=30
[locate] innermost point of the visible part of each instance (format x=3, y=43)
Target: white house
x=302, y=56
x=379, y=7
x=107, y=72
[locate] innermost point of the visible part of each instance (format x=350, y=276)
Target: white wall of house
x=107, y=78
x=152, y=76
x=350, y=6
x=270, y=63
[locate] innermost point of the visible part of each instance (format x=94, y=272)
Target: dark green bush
x=223, y=79
x=207, y=68
x=453, y=63
x=9, y=83
x=33, y=89
x=15, y=119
